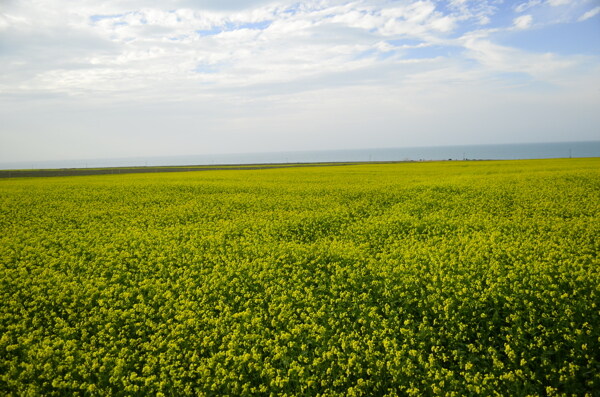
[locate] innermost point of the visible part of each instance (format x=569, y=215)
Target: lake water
x=470, y=152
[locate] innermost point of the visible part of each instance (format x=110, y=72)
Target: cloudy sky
x=107, y=79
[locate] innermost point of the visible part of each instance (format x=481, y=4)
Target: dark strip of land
x=139, y=170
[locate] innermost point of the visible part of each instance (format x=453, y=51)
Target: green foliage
x=461, y=278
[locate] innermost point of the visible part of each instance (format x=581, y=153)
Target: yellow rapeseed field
x=411, y=279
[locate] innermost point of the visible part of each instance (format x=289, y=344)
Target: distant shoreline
x=259, y=159
x=160, y=169
x=174, y=168
x=30, y=173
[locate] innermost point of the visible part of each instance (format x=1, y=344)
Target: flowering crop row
x=454, y=278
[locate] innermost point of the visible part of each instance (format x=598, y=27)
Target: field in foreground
x=455, y=278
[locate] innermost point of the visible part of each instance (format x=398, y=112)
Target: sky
x=129, y=78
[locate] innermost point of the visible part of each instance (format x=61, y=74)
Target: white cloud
x=549, y=70
x=523, y=22
x=293, y=42
x=590, y=14
x=554, y=11
x=123, y=47
x=525, y=6
x=556, y=3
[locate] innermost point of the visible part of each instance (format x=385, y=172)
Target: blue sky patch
x=564, y=38
x=255, y=25
x=210, y=32
x=230, y=26
x=96, y=18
